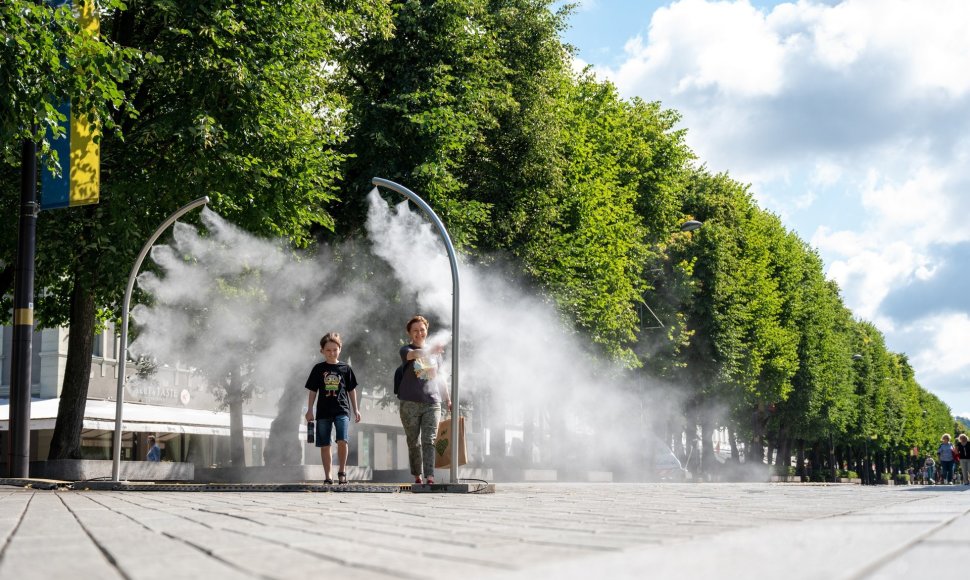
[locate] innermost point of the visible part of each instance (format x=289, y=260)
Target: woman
x=963, y=449
x=421, y=398
x=945, y=452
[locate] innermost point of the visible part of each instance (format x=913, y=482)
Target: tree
x=419, y=101
x=473, y=105
x=237, y=103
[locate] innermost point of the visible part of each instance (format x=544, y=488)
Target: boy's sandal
x=341, y=477
x=328, y=482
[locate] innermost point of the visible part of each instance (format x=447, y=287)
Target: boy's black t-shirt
x=332, y=384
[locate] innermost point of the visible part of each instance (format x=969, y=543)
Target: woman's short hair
x=946, y=437
x=417, y=318
x=333, y=337
x=963, y=437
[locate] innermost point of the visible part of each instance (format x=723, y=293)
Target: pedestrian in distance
x=945, y=454
x=914, y=458
x=930, y=467
x=333, y=387
x=963, y=450
x=154, y=451
x=421, y=397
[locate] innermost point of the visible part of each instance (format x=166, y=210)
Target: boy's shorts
x=324, y=427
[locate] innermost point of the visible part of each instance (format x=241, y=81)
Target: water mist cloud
x=226, y=301
x=231, y=299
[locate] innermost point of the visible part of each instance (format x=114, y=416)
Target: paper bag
x=444, y=441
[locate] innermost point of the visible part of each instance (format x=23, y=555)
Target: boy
x=336, y=386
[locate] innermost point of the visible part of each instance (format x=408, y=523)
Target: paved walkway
x=548, y=530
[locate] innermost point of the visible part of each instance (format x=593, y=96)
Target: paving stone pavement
x=546, y=530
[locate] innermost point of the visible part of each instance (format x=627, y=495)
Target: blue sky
x=850, y=120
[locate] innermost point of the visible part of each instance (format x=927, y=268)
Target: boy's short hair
x=331, y=337
x=417, y=318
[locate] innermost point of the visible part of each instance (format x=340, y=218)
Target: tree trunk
x=816, y=459
x=693, y=451
x=800, y=457
x=708, y=463
x=237, y=449
x=66, y=442
x=735, y=452
x=283, y=447
x=757, y=451
x=783, y=449
x=679, y=447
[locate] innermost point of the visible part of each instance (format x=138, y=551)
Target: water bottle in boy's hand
x=309, y=431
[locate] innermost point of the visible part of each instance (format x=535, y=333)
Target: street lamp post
x=455, y=413
x=123, y=355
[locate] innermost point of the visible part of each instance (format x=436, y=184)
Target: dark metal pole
x=18, y=458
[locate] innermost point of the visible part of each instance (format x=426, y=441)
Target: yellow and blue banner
x=78, y=152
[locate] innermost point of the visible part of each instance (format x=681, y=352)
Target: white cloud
x=803, y=77
x=934, y=344
x=729, y=49
x=826, y=173
x=848, y=119
x=938, y=357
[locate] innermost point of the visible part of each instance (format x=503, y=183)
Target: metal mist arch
x=378, y=182
x=123, y=356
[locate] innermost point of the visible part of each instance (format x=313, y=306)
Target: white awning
x=100, y=415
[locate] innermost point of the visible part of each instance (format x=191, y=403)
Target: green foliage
x=785, y=470
x=421, y=100
x=473, y=105
x=46, y=58
x=235, y=103
x=234, y=100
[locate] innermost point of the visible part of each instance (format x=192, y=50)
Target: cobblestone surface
x=544, y=530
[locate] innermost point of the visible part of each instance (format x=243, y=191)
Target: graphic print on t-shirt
x=424, y=369
x=331, y=384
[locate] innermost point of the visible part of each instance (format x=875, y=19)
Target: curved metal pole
x=455, y=413
x=123, y=356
